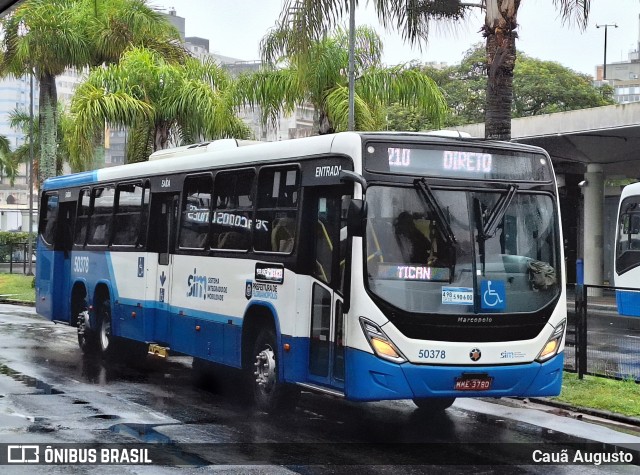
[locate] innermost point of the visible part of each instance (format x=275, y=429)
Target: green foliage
x=11, y=242
x=49, y=36
x=7, y=237
x=17, y=288
x=622, y=397
x=545, y=87
x=317, y=76
x=158, y=100
x=539, y=87
x=408, y=119
x=309, y=20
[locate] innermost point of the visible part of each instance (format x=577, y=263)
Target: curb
x=612, y=416
x=17, y=302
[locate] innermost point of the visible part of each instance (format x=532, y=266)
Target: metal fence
x=600, y=341
x=14, y=258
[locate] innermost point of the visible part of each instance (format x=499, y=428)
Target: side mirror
x=356, y=215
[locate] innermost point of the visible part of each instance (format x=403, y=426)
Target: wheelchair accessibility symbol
x=493, y=295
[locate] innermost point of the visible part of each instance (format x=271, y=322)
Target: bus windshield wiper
x=444, y=228
x=497, y=212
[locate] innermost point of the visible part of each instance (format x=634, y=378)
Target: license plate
x=473, y=383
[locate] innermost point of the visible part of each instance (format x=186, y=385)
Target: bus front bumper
x=370, y=378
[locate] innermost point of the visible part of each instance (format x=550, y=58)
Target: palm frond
x=274, y=91
x=574, y=11
x=409, y=87
x=337, y=109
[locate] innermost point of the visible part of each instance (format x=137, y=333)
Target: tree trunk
x=48, y=122
x=325, y=126
x=161, y=140
x=501, y=37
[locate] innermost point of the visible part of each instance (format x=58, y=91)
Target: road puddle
x=40, y=386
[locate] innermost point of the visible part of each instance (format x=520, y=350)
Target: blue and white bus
x=627, y=252
x=370, y=266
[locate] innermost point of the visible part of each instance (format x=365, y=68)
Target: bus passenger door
x=326, y=350
x=64, y=243
x=53, y=269
x=160, y=244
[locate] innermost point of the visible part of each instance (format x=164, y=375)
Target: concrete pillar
x=593, y=192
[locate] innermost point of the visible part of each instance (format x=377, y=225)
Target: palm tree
x=21, y=120
x=45, y=37
x=310, y=19
x=317, y=76
x=158, y=101
x=9, y=163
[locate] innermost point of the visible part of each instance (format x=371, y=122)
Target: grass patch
x=17, y=287
x=622, y=397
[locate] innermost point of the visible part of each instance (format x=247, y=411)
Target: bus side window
x=101, y=216
x=82, y=219
x=127, y=219
x=277, y=210
x=49, y=217
x=232, y=216
x=144, y=215
x=196, y=206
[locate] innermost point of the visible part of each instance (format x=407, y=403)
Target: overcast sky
x=235, y=28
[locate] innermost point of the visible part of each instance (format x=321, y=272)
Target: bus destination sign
x=463, y=162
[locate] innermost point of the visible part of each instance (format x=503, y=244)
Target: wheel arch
x=78, y=298
x=101, y=293
x=257, y=316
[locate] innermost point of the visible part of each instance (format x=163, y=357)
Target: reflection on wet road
x=50, y=393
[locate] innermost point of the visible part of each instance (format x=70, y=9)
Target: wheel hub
x=265, y=369
x=105, y=333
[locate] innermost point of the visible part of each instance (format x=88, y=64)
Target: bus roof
x=209, y=155
x=630, y=190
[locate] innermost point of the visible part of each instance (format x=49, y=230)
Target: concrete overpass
x=587, y=148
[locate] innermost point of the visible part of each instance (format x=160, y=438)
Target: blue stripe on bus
x=186, y=312
x=370, y=378
x=68, y=181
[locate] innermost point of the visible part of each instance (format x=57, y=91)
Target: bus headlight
x=553, y=343
x=380, y=343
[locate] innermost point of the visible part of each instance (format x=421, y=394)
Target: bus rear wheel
x=105, y=338
x=270, y=394
x=87, y=338
x=434, y=404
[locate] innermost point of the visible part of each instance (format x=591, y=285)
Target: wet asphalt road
x=50, y=393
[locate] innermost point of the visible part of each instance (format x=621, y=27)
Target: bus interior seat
x=100, y=235
x=283, y=234
x=385, y=236
x=192, y=238
x=232, y=240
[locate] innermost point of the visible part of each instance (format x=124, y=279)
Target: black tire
x=434, y=405
x=87, y=338
x=269, y=393
x=105, y=338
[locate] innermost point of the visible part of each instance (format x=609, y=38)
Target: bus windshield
x=628, y=237
x=508, y=266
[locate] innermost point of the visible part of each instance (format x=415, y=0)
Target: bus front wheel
x=270, y=394
x=434, y=404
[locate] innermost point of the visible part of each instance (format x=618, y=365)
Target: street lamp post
x=351, y=119
x=604, y=72
x=30, y=244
